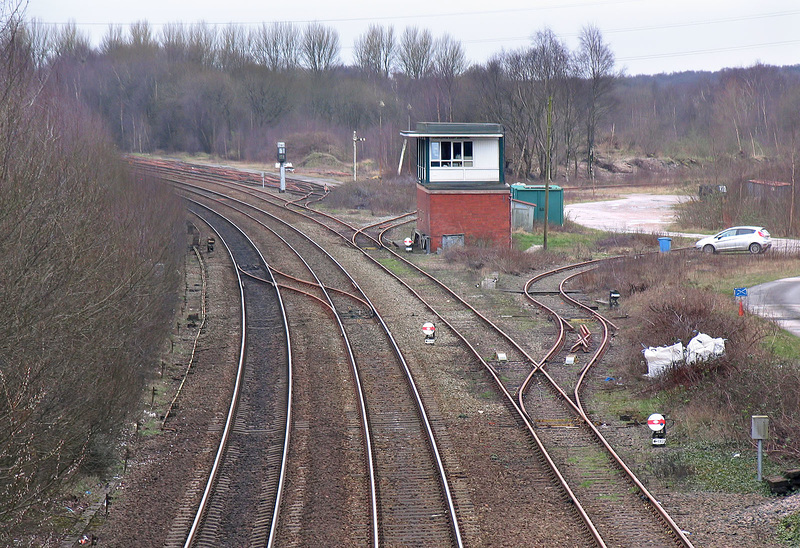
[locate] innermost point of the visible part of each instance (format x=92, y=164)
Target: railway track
x=622, y=509
x=542, y=405
x=414, y=506
x=239, y=498
x=616, y=508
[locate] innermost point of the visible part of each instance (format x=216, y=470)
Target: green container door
x=535, y=195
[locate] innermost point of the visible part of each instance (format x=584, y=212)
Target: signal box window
x=451, y=154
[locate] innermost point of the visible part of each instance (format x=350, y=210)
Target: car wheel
x=754, y=248
x=708, y=248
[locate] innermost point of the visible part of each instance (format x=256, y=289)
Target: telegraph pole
x=549, y=167
x=356, y=140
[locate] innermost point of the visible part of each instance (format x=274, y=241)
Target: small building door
x=452, y=240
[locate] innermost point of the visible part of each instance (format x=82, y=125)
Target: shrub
x=88, y=277
x=389, y=196
x=715, y=397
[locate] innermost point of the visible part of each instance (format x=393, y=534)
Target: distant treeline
x=234, y=92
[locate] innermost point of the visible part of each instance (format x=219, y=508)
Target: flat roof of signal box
x=450, y=129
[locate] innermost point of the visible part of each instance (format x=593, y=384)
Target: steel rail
x=663, y=514
x=327, y=288
x=412, y=384
x=585, y=517
x=179, y=390
x=420, y=405
x=357, y=378
x=247, y=177
x=325, y=304
x=562, y=323
x=394, y=225
x=216, y=467
x=510, y=399
x=290, y=385
x=317, y=283
x=577, y=404
x=213, y=475
x=577, y=407
x=456, y=530
x=391, y=220
x=489, y=367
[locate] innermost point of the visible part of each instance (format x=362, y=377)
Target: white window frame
x=448, y=153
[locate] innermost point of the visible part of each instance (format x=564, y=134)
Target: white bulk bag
x=704, y=347
x=661, y=358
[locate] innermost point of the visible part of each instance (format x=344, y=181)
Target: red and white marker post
x=429, y=330
x=658, y=424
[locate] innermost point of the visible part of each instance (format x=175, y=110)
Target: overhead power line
x=705, y=51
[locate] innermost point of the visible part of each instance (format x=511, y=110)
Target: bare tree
x=71, y=42
x=551, y=62
x=522, y=111
x=142, y=37
x=202, y=44
x=596, y=61
x=234, y=51
x=789, y=110
x=523, y=90
x=113, y=40
x=84, y=308
x=268, y=95
x=449, y=63
x=416, y=52
x=376, y=51
x=277, y=46
x=320, y=47
x=388, y=52
x=175, y=42
x=39, y=39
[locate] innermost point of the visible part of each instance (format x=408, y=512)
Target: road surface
x=778, y=301
x=634, y=213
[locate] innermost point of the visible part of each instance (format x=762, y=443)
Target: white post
x=402, y=153
x=355, y=169
x=356, y=139
x=759, y=459
x=282, y=161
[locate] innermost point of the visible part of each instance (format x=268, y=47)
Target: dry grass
x=721, y=273
x=389, y=196
x=507, y=261
x=615, y=192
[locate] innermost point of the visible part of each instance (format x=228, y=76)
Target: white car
x=755, y=239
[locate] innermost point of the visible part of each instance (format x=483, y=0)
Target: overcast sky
x=646, y=36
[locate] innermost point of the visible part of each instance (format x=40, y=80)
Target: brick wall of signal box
x=479, y=215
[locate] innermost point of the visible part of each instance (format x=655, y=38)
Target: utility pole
x=548, y=168
x=356, y=140
x=380, y=144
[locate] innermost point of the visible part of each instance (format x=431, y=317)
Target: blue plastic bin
x=664, y=244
